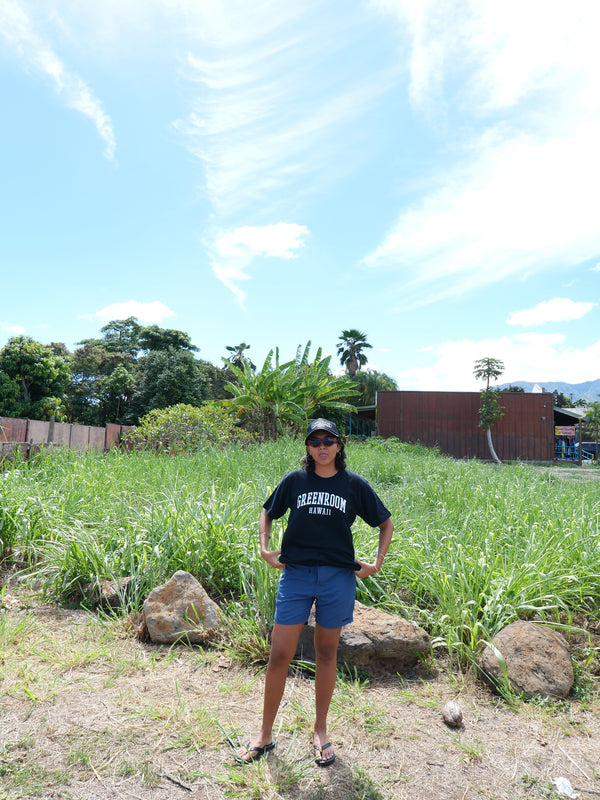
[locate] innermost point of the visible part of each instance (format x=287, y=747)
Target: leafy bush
x=183, y=429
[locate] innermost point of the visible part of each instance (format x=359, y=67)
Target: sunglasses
x=327, y=441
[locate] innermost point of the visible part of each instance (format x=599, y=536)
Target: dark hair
x=308, y=462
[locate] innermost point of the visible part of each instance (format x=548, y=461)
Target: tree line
x=131, y=370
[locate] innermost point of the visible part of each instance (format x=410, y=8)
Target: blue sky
x=276, y=171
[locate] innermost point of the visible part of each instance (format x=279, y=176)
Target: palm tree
x=238, y=357
x=350, y=350
x=369, y=382
x=491, y=410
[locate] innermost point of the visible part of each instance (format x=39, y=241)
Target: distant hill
x=589, y=391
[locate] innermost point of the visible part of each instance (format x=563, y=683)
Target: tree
x=279, y=398
x=369, y=382
x=560, y=400
x=167, y=378
x=35, y=380
x=155, y=338
x=122, y=336
x=490, y=410
x=592, y=419
x=117, y=390
x=128, y=337
x=350, y=350
x=238, y=356
x=128, y=366
x=488, y=368
x=91, y=394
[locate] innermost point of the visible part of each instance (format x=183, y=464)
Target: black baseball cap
x=322, y=425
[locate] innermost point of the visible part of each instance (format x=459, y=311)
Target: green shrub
x=184, y=429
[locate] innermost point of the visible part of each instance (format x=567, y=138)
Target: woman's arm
x=386, y=531
x=264, y=534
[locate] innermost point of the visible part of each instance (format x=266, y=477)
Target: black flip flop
x=255, y=753
x=323, y=762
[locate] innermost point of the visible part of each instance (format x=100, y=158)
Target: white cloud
x=12, y=329
x=595, y=269
x=281, y=240
x=235, y=250
x=526, y=357
x=273, y=101
x=499, y=216
x=230, y=274
x=520, y=196
x=17, y=28
x=502, y=53
x=559, y=309
x=146, y=313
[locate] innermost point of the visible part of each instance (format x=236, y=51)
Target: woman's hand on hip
x=272, y=558
x=365, y=569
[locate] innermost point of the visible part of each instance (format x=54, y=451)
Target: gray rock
x=375, y=640
x=537, y=660
x=452, y=714
x=110, y=594
x=181, y=610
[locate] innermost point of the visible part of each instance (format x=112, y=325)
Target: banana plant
x=280, y=397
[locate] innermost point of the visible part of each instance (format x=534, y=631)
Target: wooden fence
x=25, y=434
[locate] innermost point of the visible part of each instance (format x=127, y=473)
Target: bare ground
x=89, y=712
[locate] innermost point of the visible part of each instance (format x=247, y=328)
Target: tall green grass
x=476, y=546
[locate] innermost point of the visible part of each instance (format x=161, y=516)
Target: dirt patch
x=574, y=472
x=89, y=712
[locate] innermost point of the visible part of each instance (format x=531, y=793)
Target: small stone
x=452, y=714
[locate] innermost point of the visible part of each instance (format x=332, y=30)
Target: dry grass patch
x=89, y=712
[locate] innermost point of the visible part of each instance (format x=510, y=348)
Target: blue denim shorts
x=331, y=589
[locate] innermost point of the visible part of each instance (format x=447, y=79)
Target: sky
x=275, y=172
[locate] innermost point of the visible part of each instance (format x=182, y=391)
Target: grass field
x=476, y=546
x=89, y=712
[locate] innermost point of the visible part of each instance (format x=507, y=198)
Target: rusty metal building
x=449, y=420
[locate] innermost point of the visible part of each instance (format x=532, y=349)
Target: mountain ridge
x=588, y=390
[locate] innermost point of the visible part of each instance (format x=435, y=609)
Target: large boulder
x=181, y=610
x=536, y=659
x=375, y=640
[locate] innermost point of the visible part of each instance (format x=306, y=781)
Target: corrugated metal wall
x=450, y=421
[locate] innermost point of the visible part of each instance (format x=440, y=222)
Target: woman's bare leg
x=326, y=646
x=284, y=642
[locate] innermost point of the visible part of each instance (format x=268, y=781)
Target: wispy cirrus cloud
x=17, y=28
x=516, y=195
x=147, y=313
x=559, y=309
x=272, y=112
x=264, y=120
x=234, y=251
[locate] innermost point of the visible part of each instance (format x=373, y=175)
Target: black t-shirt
x=322, y=511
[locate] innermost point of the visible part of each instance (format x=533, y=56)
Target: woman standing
x=319, y=566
